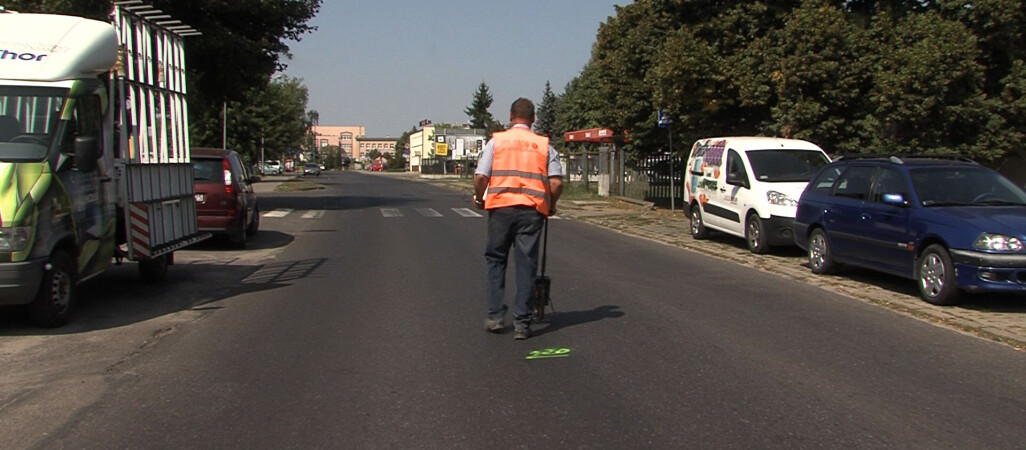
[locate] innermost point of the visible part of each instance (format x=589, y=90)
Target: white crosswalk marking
x=385, y=212
x=466, y=212
x=277, y=213
x=428, y=212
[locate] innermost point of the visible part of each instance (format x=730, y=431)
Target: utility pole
x=664, y=122
x=224, y=126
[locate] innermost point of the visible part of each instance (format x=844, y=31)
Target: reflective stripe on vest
x=520, y=170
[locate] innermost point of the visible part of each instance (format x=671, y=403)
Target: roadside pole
x=664, y=122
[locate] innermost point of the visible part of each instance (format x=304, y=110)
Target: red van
x=225, y=201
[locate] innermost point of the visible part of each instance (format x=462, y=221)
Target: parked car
x=377, y=167
x=225, y=201
x=312, y=169
x=272, y=167
x=749, y=187
x=947, y=223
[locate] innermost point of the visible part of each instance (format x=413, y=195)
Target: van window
x=736, y=173
x=786, y=166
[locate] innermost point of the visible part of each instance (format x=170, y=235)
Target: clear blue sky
x=388, y=64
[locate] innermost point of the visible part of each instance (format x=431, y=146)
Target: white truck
x=94, y=152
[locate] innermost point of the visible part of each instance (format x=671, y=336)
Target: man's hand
x=479, y=203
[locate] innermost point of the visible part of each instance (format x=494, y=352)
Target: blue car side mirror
x=894, y=199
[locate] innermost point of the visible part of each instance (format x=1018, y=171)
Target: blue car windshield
x=964, y=186
x=28, y=119
x=782, y=166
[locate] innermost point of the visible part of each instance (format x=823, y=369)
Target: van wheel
x=820, y=259
x=56, y=298
x=698, y=230
x=935, y=276
x=755, y=235
x=155, y=269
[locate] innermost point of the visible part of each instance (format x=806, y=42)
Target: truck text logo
x=24, y=56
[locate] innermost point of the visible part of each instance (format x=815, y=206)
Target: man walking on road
x=518, y=180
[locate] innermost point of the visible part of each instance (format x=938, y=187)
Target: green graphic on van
x=22, y=186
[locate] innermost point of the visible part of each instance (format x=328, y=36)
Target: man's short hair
x=522, y=109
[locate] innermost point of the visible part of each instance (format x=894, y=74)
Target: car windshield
x=28, y=118
x=962, y=186
x=781, y=166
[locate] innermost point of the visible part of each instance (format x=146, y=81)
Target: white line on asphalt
x=314, y=214
x=391, y=212
x=466, y=212
x=278, y=213
x=428, y=212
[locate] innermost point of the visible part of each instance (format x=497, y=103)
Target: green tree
x=545, y=117
x=818, y=77
x=271, y=118
x=927, y=88
x=579, y=105
x=478, y=110
x=397, y=160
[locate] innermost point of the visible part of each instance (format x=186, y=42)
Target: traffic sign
x=664, y=120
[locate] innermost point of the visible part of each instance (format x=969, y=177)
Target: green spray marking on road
x=549, y=353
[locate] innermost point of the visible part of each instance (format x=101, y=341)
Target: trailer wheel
x=56, y=298
x=155, y=270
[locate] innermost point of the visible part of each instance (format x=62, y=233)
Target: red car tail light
x=227, y=178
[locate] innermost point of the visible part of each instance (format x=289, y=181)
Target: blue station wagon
x=950, y=224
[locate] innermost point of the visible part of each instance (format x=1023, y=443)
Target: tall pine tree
x=478, y=109
x=545, y=120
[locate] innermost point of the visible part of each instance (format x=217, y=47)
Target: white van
x=749, y=187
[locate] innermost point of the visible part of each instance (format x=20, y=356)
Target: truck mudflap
x=19, y=282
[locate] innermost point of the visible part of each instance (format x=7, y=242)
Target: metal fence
x=658, y=179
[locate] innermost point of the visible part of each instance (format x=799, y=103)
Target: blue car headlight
x=779, y=198
x=14, y=239
x=998, y=243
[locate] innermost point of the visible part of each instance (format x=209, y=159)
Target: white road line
x=278, y=213
x=466, y=212
x=428, y=212
x=391, y=212
x=314, y=214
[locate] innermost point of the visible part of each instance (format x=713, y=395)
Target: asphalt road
x=355, y=320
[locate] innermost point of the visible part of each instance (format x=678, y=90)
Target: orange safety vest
x=520, y=171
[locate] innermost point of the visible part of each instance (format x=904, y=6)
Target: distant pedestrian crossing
x=383, y=212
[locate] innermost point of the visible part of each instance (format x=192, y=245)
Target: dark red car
x=225, y=201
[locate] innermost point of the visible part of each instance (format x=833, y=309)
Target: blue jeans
x=521, y=228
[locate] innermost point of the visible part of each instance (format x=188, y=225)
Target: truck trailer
x=94, y=152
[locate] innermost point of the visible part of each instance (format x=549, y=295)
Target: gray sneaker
x=494, y=326
x=521, y=333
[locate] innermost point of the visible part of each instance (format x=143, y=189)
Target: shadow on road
x=119, y=297
x=562, y=319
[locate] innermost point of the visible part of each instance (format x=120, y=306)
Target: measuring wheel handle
x=542, y=285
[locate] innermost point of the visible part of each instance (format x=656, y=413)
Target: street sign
x=441, y=149
x=664, y=120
